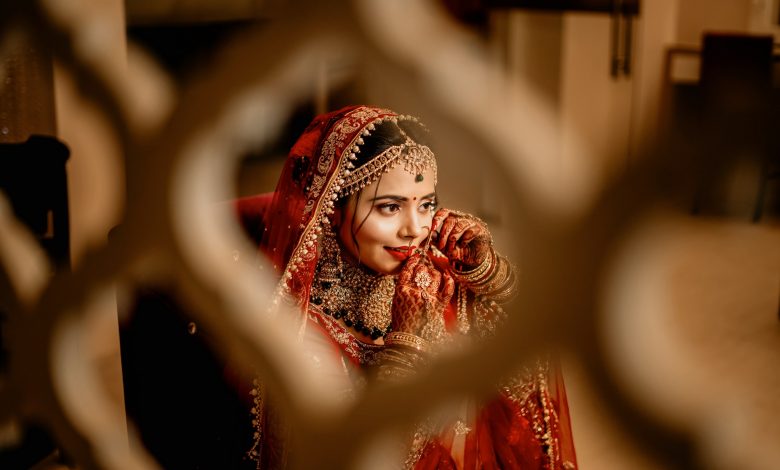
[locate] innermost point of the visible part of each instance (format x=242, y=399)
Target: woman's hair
x=387, y=134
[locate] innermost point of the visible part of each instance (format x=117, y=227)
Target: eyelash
x=385, y=208
x=430, y=205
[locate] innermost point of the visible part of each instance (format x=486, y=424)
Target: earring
x=331, y=265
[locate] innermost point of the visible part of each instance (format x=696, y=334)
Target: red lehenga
x=526, y=426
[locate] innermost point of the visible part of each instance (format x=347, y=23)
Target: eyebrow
x=401, y=198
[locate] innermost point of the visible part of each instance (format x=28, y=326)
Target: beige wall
x=656, y=31
x=604, y=123
x=697, y=16
x=595, y=107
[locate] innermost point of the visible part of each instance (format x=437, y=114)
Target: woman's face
x=388, y=219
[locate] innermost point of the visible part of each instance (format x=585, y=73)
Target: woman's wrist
x=403, y=355
x=477, y=274
x=494, y=277
x=405, y=340
x=501, y=286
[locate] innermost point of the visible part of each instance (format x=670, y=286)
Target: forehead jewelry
x=416, y=158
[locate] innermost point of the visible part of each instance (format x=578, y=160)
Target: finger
x=436, y=223
x=458, y=254
x=405, y=277
x=438, y=218
x=447, y=288
x=446, y=229
x=460, y=230
x=415, y=258
x=455, y=235
x=469, y=235
x=435, y=279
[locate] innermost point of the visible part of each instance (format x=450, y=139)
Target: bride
x=356, y=234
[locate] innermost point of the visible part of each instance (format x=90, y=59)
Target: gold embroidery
x=460, y=428
x=258, y=398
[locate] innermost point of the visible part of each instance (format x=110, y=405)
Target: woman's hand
x=421, y=294
x=463, y=238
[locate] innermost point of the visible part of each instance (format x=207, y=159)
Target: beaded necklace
x=362, y=300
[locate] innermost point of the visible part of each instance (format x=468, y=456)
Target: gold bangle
x=506, y=293
x=497, y=278
x=501, y=285
x=400, y=338
x=407, y=358
x=399, y=363
x=479, y=273
x=388, y=373
x=391, y=361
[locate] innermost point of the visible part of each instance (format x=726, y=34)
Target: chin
x=386, y=268
x=392, y=272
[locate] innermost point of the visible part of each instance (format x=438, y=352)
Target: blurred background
x=693, y=83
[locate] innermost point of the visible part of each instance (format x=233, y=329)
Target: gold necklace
x=362, y=300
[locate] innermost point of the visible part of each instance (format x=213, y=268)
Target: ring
x=422, y=279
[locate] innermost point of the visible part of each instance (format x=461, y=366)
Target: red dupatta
x=527, y=427
x=305, y=195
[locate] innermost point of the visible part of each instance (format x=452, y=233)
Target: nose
x=411, y=227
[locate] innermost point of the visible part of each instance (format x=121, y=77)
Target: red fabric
x=558, y=394
x=503, y=431
x=250, y=211
x=435, y=457
x=253, y=207
x=503, y=436
x=299, y=196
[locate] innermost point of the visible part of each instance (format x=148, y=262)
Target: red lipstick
x=400, y=252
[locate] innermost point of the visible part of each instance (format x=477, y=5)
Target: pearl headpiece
x=328, y=185
x=416, y=159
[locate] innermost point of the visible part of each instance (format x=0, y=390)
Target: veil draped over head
x=308, y=188
x=525, y=426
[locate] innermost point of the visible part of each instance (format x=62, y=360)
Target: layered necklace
x=346, y=292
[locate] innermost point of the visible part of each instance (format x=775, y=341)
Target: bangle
x=399, y=364
x=398, y=359
x=400, y=338
x=500, y=284
x=497, y=278
x=505, y=292
x=478, y=274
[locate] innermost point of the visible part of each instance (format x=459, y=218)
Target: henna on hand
x=421, y=290
x=464, y=239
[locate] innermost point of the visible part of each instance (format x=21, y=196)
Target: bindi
x=419, y=178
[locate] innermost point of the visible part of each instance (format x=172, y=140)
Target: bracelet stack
x=494, y=278
x=407, y=340
x=501, y=286
x=403, y=356
x=479, y=274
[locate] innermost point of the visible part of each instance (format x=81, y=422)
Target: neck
x=349, y=292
